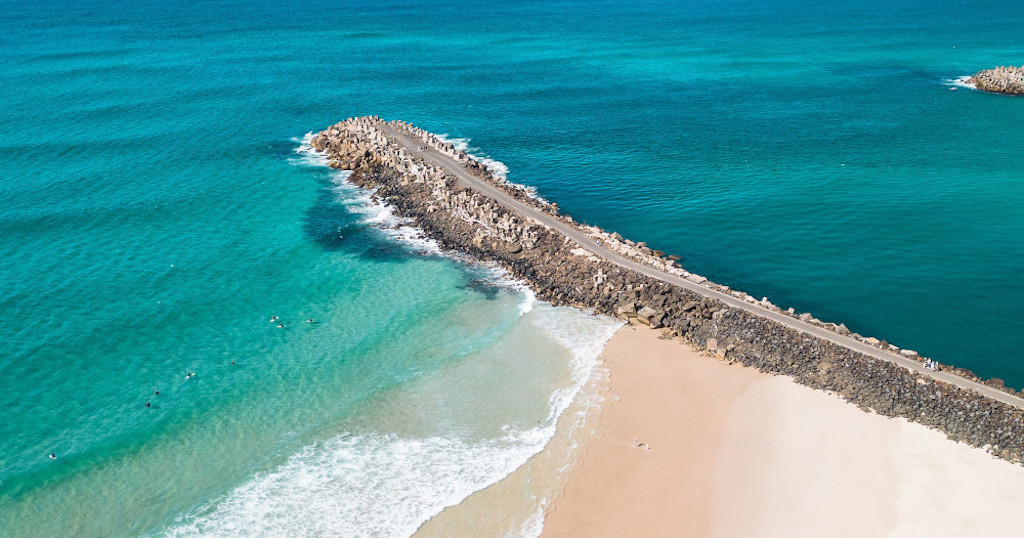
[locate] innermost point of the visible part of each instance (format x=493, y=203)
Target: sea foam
x=960, y=82
x=362, y=202
x=361, y=485
x=381, y=484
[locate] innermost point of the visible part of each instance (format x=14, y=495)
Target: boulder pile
x=564, y=273
x=1007, y=80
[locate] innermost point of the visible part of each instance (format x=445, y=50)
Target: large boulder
x=646, y=313
x=626, y=308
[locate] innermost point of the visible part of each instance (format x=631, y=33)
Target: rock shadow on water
x=335, y=227
x=488, y=289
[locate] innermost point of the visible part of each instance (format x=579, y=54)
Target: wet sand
x=676, y=402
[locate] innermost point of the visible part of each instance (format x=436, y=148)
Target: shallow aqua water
x=155, y=213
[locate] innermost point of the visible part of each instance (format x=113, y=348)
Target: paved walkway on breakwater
x=453, y=167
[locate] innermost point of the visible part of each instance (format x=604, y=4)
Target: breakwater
x=1006, y=80
x=457, y=201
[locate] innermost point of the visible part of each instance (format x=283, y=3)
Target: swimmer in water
x=232, y=362
x=53, y=456
x=156, y=393
x=149, y=404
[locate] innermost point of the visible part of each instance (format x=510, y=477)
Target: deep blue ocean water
x=155, y=213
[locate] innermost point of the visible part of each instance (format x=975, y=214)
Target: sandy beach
x=728, y=451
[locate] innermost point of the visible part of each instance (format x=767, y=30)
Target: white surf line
x=523, y=210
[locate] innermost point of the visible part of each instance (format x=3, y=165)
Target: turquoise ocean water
x=156, y=209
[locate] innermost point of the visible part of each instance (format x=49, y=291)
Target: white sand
x=798, y=462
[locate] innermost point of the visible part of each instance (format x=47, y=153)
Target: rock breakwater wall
x=564, y=273
x=1007, y=80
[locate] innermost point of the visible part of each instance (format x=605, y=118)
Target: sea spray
x=960, y=82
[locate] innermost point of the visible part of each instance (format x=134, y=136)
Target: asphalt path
x=456, y=169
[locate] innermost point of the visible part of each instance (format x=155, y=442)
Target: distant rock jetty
x=1007, y=80
x=560, y=271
